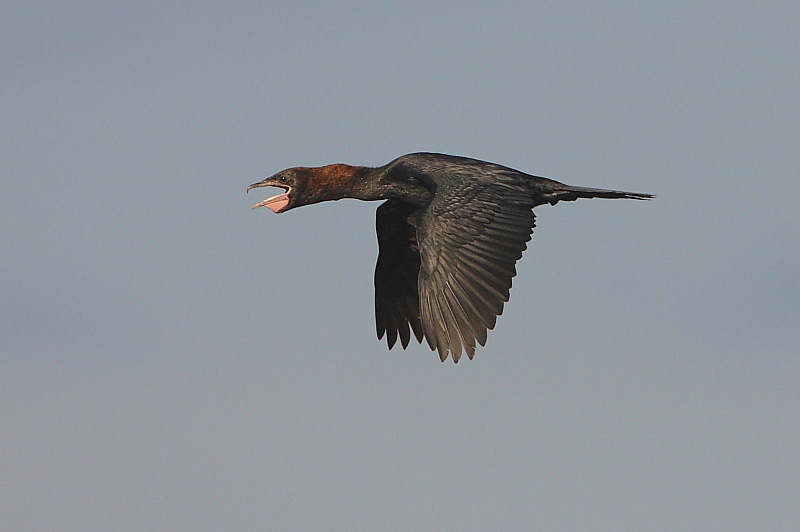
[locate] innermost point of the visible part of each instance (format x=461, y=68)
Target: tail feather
x=570, y=193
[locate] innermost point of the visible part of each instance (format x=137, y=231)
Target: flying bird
x=450, y=231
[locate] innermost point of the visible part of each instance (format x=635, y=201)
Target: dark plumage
x=449, y=235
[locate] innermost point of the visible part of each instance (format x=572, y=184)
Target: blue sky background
x=172, y=360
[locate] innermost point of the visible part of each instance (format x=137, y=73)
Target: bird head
x=305, y=186
x=291, y=182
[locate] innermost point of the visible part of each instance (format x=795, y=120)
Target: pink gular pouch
x=277, y=202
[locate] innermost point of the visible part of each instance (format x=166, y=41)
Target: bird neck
x=337, y=181
x=333, y=182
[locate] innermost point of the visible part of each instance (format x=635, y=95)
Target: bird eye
x=282, y=178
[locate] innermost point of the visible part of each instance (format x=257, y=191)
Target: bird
x=450, y=232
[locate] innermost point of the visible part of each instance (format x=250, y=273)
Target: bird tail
x=570, y=193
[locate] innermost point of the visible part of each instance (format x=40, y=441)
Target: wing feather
x=470, y=237
x=396, y=274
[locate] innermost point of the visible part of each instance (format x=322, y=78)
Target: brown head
x=305, y=186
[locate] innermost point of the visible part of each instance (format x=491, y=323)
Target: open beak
x=277, y=202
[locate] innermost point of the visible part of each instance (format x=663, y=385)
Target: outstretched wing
x=470, y=238
x=396, y=273
x=464, y=245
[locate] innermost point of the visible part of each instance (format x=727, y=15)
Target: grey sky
x=172, y=360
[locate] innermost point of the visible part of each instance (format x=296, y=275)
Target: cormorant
x=450, y=232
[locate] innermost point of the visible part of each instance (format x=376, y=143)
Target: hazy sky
x=172, y=360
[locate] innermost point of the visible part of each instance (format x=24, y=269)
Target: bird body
x=450, y=232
